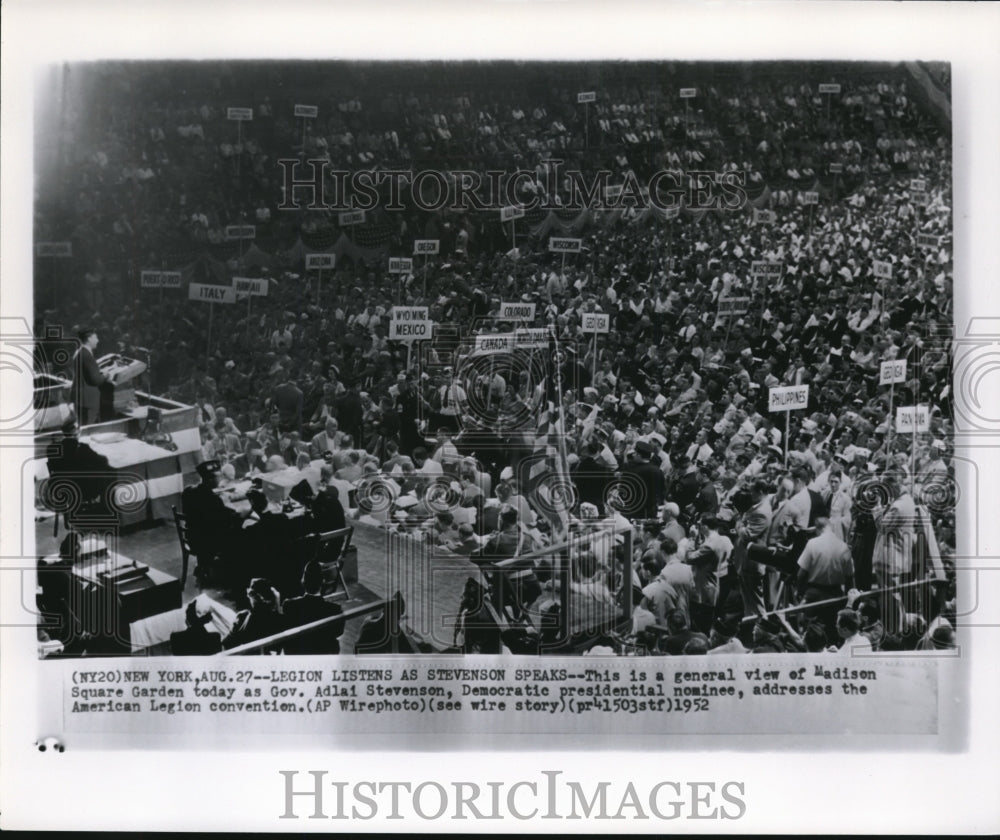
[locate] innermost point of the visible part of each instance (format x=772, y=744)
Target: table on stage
x=107, y=594
x=148, y=479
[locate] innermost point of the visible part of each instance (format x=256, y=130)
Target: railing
x=278, y=639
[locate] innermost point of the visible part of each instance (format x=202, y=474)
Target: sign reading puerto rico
x=892, y=371
x=255, y=286
x=788, y=398
x=160, y=279
x=517, y=311
x=241, y=232
x=53, y=249
x=565, y=245
x=426, y=246
x=911, y=419
x=239, y=114
x=321, y=260
x=351, y=217
x=308, y=111
x=883, y=269
x=733, y=306
x=207, y=293
x=689, y=93
x=836, y=168
x=586, y=96
x=512, y=212
x=400, y=265
x=595, y=322
x=829, y=88
x=496, y=343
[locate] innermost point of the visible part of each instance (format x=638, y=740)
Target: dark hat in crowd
x=209, y=468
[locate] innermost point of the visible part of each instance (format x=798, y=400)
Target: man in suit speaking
x=87, y=379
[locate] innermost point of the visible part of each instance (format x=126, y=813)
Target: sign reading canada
x=500, y=343
x=788, y=398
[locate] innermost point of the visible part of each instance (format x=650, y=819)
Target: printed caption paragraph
x=837, y=694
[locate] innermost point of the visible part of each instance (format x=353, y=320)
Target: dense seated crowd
x=667, y=429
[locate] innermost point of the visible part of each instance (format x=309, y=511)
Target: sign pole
x=593, y=362
x=425, y=276
x=513, y=234
x=208, y=347
x=319, y=283
x=586, y=125
x=239, y=143
x=891, y=419
x=787, y=417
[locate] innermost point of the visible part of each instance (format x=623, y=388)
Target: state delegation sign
x=595, y=322
x=517, y=311
x=410, y=323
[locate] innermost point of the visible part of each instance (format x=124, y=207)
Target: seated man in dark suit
x=312, y=607
x=71, y=462
x=195, y=640
x=212, y=527
x=261, y=620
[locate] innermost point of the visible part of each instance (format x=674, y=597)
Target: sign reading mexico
x=517, y=311
x=892, y=372
x=595, y=322
x=410, y=323
x=208, y=293
x=788, y=398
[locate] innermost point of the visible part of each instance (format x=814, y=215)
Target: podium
x=116, y=398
